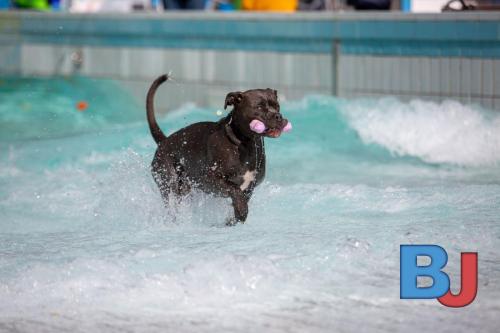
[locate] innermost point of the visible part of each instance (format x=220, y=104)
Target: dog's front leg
x=240, y=205
x=239, y=199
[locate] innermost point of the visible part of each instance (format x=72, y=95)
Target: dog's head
x=257, y=105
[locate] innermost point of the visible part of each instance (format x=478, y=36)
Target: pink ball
x=288, y=127
x=257, y=126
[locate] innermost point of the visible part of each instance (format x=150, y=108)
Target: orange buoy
x=82, y=106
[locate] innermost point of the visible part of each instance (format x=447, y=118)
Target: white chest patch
x=248, y=178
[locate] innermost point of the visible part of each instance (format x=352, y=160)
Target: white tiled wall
x=205, y=75
x=469, y=80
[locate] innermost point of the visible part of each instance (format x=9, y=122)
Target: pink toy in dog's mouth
x=259, y=127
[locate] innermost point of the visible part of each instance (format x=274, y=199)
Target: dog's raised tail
x=156, y=131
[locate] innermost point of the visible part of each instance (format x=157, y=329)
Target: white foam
x=437, y=133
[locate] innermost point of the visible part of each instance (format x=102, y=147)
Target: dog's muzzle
x=259, y=127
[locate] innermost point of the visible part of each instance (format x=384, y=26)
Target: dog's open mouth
x=273, y=132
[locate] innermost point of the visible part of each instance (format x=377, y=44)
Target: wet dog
x=224, y=158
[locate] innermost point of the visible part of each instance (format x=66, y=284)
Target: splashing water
x=87, y=245
x=436, y=133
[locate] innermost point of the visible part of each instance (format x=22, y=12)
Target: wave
x=325, y=128
x=446, y=132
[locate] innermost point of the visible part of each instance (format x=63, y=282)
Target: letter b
x=409, y=271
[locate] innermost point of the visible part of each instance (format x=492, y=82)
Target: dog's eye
x=275, y=106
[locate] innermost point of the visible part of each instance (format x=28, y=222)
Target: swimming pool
x=86, y=244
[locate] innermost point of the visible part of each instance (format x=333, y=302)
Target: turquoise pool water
x=86, y=244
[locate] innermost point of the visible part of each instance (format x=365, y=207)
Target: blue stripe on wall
x=429, y=48
x=413, y=30
x=474, y=38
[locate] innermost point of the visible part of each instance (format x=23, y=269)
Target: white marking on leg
x=248, y=178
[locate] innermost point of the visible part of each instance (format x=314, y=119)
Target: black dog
x=225, y=158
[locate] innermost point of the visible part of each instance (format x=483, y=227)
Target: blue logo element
x=409, y=271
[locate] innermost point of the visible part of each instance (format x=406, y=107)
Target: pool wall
x=429, y=56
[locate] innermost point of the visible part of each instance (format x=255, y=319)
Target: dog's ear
x=233, y=98
x=273, y=92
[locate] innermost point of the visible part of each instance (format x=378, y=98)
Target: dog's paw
x=231, y=221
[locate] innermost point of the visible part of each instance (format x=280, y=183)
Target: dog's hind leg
x=182, y=187
x=167, y=179
x=170, y=178
x=165, y=176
